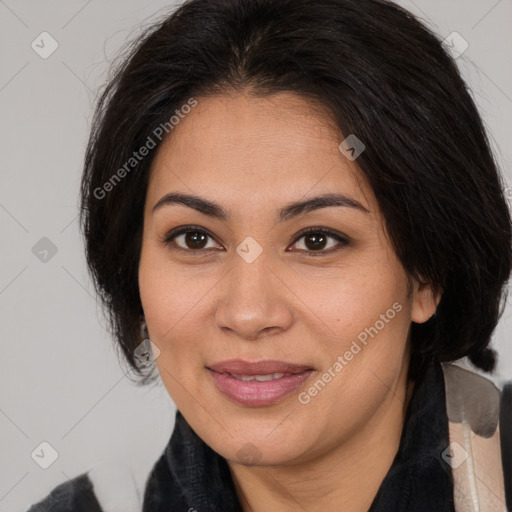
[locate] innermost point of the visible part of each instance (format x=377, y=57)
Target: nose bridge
x=251, y=279
x=252, y=300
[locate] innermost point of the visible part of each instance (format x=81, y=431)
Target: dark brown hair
x=386, y=78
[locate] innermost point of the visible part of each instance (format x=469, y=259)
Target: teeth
x=259, y=378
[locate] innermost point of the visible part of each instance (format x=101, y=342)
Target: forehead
x=241, y=147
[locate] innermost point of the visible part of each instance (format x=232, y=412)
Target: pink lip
x=254, y=393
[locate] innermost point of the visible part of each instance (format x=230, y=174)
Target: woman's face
x=331, y=311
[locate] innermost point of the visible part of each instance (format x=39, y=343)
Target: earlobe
x=424, y=302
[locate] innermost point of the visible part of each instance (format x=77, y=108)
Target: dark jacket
x=190, y=476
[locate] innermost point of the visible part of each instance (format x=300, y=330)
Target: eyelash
x=343, y=240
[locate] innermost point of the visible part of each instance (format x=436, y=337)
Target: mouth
x=260, y=383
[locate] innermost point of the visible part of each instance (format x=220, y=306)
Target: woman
x=296, y=202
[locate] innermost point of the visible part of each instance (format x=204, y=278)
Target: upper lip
x=265, y=367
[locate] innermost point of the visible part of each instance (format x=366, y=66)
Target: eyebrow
x=287, y=212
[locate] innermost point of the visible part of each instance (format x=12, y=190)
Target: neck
x=348, y=475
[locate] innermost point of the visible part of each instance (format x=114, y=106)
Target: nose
x=254, y=300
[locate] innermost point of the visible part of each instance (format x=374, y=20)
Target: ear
x=424, y=302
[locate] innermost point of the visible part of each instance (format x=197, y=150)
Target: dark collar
x=419, y=480
x=191, y=476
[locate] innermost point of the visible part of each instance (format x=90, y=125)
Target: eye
x=188, y=238
x=195, y=240
x=316, y=240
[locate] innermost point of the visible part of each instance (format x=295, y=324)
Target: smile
x=253, y=388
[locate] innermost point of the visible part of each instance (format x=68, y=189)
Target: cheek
x=350, y=298
x=363, y=355
x=365, y=318
x=171, y=302
x=175, y=304
x=169, y=294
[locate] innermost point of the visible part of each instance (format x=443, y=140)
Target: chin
x=262, y=452
x=266, y=446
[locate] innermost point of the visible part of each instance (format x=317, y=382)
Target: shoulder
x=75, y=495
x=105, y=487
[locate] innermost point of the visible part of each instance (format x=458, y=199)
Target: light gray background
x=60, y=380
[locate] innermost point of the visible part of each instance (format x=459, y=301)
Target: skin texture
x=253, y=156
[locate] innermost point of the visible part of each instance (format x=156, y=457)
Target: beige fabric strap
x=474, y=453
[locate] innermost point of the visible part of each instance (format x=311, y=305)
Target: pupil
x=193, y=238
x=317, y=239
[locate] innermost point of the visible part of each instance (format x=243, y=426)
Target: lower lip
x=253, y=393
